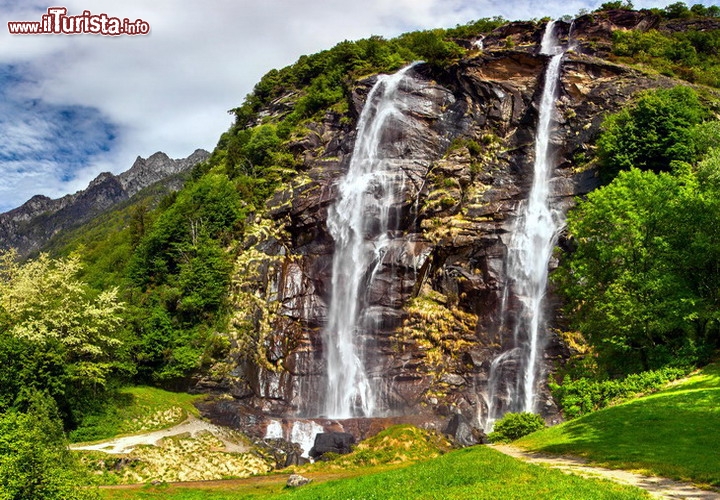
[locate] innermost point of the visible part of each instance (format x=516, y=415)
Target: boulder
x=462, y=432
x=296, y=480
x=332, y=442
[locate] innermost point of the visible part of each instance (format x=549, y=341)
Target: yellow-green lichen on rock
x=254, y=290
x=436, y=329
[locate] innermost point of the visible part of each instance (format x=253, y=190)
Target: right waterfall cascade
x=515, y=373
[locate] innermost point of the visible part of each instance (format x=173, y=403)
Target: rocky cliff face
x=30, y=226
x=466, y=156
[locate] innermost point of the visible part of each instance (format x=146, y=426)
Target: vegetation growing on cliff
x=176, y=262
x=663, y=127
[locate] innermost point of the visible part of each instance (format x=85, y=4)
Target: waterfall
x=529, y=250
x=360, y=222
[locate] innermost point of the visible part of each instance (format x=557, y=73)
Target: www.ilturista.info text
x=57, y=22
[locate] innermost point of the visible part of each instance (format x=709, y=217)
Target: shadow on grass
x=674, y=434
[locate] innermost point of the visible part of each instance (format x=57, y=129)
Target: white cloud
x=170, y=90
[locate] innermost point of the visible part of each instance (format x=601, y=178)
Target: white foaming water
x=549, y=44
x=274, y=430
x=303, y=433
x=359, y=222
x=529, y=251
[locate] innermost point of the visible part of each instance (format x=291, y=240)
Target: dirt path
x=658, y=486
x=192, y=426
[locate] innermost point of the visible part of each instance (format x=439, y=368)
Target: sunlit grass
x=136, y=409
x=673, y=433
x=472, y=473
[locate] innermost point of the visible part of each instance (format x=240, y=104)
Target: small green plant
x=516, y=425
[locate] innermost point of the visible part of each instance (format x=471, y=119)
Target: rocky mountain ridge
x=28, y=227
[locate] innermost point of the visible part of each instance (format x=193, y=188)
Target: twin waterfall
x=514, y=373
x=362, y=222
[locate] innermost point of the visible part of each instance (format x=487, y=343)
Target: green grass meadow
x=674, y=433
x=475, y=473
x=136, y=409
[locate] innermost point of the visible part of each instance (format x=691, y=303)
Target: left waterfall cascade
x=360, y=222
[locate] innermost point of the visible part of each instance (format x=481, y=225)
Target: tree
x=35, y=463
x=619, y=4
x=182, y=272
x=653, y=133
x=677, y=10
x=58, y=336
x=642, y=283
x=432, y=47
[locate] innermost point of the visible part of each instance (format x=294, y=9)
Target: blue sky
x=72, y=107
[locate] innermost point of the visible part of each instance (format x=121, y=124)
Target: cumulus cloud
x=106, y=100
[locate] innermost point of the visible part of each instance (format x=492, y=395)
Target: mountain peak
x=29, y=227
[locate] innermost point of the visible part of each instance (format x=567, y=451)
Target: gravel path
x=192, y=426
x=658, y=486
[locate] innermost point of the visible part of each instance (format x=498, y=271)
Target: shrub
x=581, y=396
x=515, y=425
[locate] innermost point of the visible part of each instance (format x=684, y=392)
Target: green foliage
x=673, y=433
x=677, y=10
x=57, y=335
x=325, y=78
x=432, y=47
x=619, y=4
x=689, y=54
x=642, y=282
x=582, y=396
x=475, y=28
x=513, y=426
x=35, y=463
x=652, y=134
x=135, y=409
x=181, y=272
x=394, y=445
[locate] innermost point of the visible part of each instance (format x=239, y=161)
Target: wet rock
x=462, y=159
x=462, y=432
x=452, y=379
x=332, y=442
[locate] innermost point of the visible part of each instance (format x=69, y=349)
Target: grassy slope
x=470, y=473
x=136, y=409
x=674, y=433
